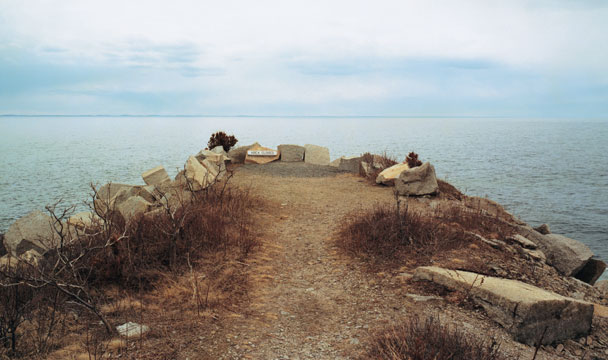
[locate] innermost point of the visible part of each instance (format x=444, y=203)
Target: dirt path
x=307, y=300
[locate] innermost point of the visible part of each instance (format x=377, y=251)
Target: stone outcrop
x=390, y=174
x=219, y=150
x=592, y=271
x=418, y=181
x=291, y=153
x=84, y=220
x=349, y=163
x=568, y=256
x=156, y=176
x=543, y=229
x=237, y=155
x=522, y=309
x=315, y=154
x=261, y=155
x=197, y=174
x=32, y=231
x=133, y=208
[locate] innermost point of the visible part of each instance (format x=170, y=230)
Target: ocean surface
x=542, y=170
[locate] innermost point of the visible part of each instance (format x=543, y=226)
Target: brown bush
x=376, y=164
x=428, y=339
x=388, y=235
x=412, y=160
x=449, y=191
x=221, y=139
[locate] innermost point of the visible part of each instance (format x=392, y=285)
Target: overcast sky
x=454, y=58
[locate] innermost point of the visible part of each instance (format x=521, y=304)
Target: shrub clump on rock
x=220, y=138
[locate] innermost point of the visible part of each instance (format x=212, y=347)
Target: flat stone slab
x=261, y=155
x=524, y=310
x=156, y=176
x=315, y=154
x=388, y=175
x=291, y=153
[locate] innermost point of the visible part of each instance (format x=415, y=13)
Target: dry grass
x=387, y=236
x=376, y=164
x=428, y=339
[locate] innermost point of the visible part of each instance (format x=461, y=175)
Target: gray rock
x=592, y=271
x=150, y=193
x=350, y=164
x=237, y=155
x=104, y=199
x=522, y=241
x=390, y=174
x=543, y=229
x=568, y=256
x=84, y=220
x=197, y=174
x=291, y=153
x=423, y=298
x=315, y=154
x=522, y=309
x=132, y=329
x=33, y=231
x=602, y=286
x=418, y=181
x=2, y=248
x=133, y=208
x=156, y=176
x=219, y=150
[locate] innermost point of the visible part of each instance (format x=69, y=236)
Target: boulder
x=33, y=231
x=315, y=154
x=196, y=173
x=292, y=153
x=84, y=220
x=2, y=248
x=543, y=229
x=602, y=286
x=390, y=174
x=133, y=207
x=350, y=164
x=418, y=181
x=219, y=150
x=237, y=155
x=366, y=169
x=568, y=256
x=105, y=194
x=156, y=176
x=336, y=162
x=7, y=261
x=150, y=192
x=210, y=155
x=123, y=195
x=592, y=271
x=261, y=155
x=523, y=310
x=213, y=169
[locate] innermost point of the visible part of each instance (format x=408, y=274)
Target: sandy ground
x=309, y=301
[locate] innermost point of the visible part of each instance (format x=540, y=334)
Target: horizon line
x=303, y=116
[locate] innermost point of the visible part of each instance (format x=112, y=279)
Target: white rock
x=132, y=329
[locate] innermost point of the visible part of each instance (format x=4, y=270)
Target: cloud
x=397, y=57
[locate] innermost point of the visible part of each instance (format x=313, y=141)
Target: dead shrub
x=220, y=138
x=375, y=164
x=412, y=160
x=449, y=191
x=428, y=339
x=386, y=234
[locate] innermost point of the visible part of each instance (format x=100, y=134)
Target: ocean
x=552, y=171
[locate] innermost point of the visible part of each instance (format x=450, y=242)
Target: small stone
x=589, y=341
x=354, y=341
x=132, y=329
x=559, y=348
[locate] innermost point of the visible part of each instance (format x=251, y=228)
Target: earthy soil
x=308, y=300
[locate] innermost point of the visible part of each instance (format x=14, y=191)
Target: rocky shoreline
x=533, y=315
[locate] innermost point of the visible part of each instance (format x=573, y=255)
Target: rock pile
x=34, y=234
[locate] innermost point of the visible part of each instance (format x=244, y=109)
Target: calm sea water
x=544, y=171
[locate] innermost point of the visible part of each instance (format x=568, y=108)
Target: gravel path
x=293, y=169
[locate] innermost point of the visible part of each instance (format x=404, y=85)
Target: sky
x=523, y=58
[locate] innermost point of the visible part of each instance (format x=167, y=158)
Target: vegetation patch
x=428, y=339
